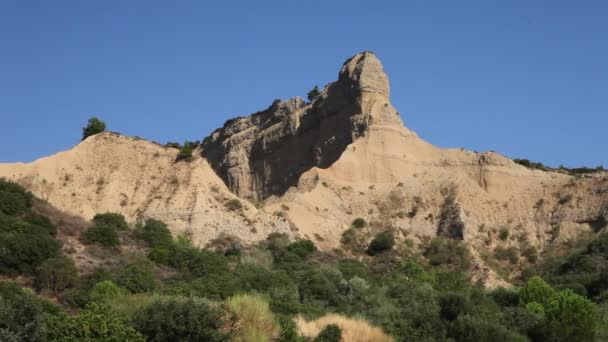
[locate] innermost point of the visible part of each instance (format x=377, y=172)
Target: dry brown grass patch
x=353, y=330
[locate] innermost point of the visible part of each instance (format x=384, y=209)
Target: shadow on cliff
x=266, y=153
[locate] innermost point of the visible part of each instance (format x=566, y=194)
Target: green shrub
x=331, y=333
x=111, y=219
x=156, y=234
x=95, y=323
x=313, y=93
x=137, y=277
x=381, y=243
x=511, y=254
x=177, y=318
x=104, y=292
x=531, y=254
x=447, y=252
x=185, y=152
x=359, y=223
x=453, y=305
x=103, y=234
x=23, y=253
x=21, y=315
x=94, y=126
x=233, y=204
x=13, y=198
x=503, y=234
x=56, y=274
x=302, y=248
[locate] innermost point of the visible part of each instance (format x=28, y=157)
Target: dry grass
x=255, y=320
x=353, y=330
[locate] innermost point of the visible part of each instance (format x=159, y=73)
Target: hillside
x=317, y=166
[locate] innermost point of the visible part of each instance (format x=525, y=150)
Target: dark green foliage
x=331, y=333
x=56, y=274
x=13, y=198
x=111, y=219
x=137, y=277
x=95, y=323
x=503, y=234
x=80, y=295
x=302, y=248
x=156, y=234
x=453, y=305
x=22, y=315
x=359, y=223
x=313, y=93
x=532, y=165
x=94, y=126
x=449, y=253
x=103, y=234
x=381, y=243
x=183, y=319
x=22, y=253
x=185, y=152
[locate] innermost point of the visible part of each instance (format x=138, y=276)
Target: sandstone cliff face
x=318, y=166
x=265, y=154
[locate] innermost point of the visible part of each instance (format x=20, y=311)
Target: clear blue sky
x=523, y=78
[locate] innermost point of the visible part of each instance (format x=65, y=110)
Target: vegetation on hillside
x=283, y=290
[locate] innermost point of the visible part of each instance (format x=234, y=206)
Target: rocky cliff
x=266, y=153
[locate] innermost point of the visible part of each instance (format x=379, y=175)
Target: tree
x=381, y=243
x=56, y=274
x=104, y=291
x=185, y=152
x=536, y=290
x=313, y=93
x=184, y=319
x=112, y=219
x=156, y=234
x=95, y=323
x=103, y=234
x=94, y=126
x=137, y=277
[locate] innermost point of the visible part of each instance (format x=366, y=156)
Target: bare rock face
x=265, y=154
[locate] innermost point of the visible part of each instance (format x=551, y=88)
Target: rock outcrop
x=266, y=153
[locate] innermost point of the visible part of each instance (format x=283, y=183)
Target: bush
x=503, y=234
x=313, y=93
x=21, y=315
x=104, y=292
x=453, y=305
x=331, y=333
x=359, y=223
x=22, y=253
x=95, y=323
x=531, y=254
x=381, y=243
x=156, y=234
x=511, y=254
x=302, y=248
x=185, y=152
x=177, y=318
x=233, y=204
x=103, y=234
x=94, y=126
x=13, y=198
x=56, y=274
x=254, y=317
x=111, y=219
x=137, y=277
x=448, y=252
